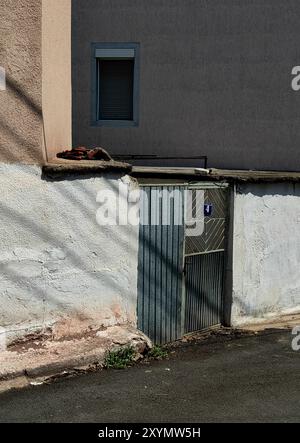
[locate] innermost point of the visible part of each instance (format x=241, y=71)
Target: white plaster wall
x=58, y=267
x=266, y=251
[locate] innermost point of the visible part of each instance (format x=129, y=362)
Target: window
x=115, y=84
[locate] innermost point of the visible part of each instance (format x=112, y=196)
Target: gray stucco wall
x=215, y=78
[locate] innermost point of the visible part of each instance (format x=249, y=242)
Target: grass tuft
x=158, y=353
x=120, y=358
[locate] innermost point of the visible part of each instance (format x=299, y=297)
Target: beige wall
x=35, y=107
x=56, y=57
x=20, y=104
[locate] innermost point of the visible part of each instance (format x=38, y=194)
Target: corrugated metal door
x=161, y=262
x=204, y=260
x=180, y=277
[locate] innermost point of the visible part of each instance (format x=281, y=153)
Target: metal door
x=161, y=262
x=180, y=276
x=205, y=259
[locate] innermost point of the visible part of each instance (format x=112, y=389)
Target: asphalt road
x=246, y=379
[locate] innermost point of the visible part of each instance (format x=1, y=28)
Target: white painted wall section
x=266, y=251
x=58, y=268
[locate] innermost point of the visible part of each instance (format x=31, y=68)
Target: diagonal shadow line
x=18, y=279
x=44, y=296
x=32, y=149
x=23, y=96
x=37, y=110
x=35, y=151
x=43, y=233
x=30, y=225
x=20, y=93
x=71, y=197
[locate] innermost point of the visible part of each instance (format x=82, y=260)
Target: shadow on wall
x=81, y=204
x=77, y=196
x=21, y=131
x=23, y=189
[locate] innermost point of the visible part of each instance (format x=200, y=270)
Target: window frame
x=115, y=51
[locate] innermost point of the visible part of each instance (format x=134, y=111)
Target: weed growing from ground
x=158, y=353
x=120, y=358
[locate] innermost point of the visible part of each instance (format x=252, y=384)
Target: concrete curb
x=22, y=365
x=285, y=321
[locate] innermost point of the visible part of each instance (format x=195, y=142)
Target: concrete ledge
x=169, y=171
x=254, y=176
x=214, y=174
x=23, y=363
x=63, y=169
